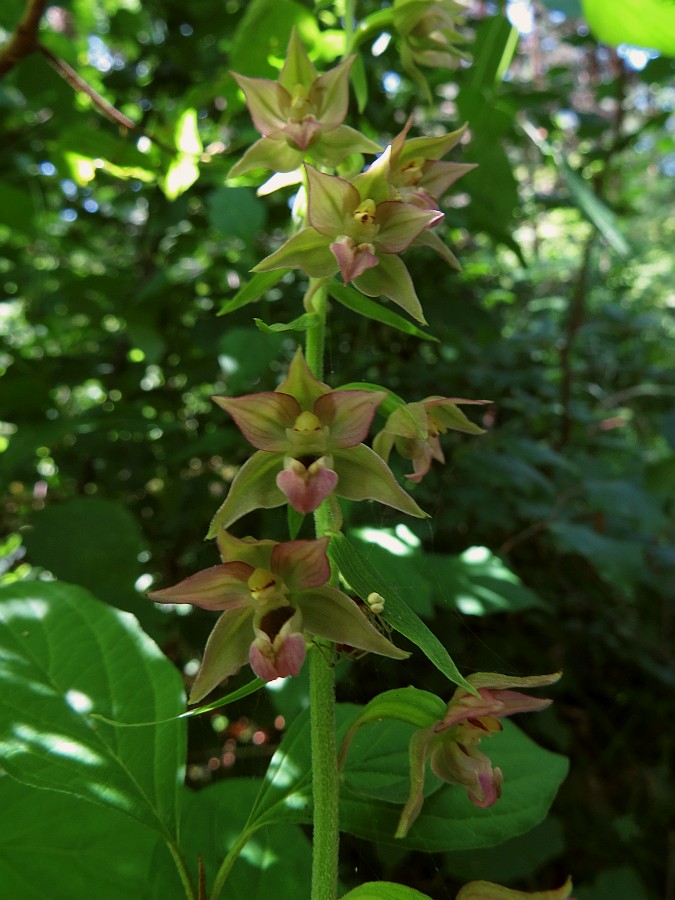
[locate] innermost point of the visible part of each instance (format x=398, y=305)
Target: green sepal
x=364, y=306
x=365, y=579
x=252, y=290
x=302, y=323
x=295, y=520
x=388, y=405
x=254, y=487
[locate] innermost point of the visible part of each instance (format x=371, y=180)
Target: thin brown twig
x=24, y=40
x=79, y=84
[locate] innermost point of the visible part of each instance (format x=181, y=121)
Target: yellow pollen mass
x=365, y=212
x=265, y=587
x=306, y=423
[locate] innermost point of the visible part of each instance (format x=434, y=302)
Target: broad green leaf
x=359, y=83
x=66, y=655
x=271, y=22
x=384, y=890
x=365, y=580
x=449, y=821
x=64, y=848
x=184, y=170
x=252, y=290
x=409, y=704
x=364, y=306
x=274, y=862
x=302, y=323
x=495, y=44
x=92, y=542
x=643, y=23
x=377, y=763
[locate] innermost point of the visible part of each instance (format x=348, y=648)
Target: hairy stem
x=326, y=836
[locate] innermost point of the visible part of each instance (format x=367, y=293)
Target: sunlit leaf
x=642, y=23
x=365, y=579
x=66, y=655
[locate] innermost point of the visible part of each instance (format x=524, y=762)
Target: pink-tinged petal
x=391, y=279
x=495, y=701
x=330, y=201
x=301, y=384
x=297, y=69
x=409, y=421
x=431, y=239
x=254, y=487
x=348, y=415
x=279, y=647
x=447, y=414
x=268, y=153
x=330, y=614
x=301, y=564
x=258, y=554
x=421, y=464
x=301, y=133
x=306, y=250
x=487, y=890
x=400, y=223
x=333, y=146
x=364, y=476
x=455, y=763
x=262, y=418
x=439, y=176
x=397, y=147
x=287, y=661
x=418, y=752
x=225, y=653
x=266, y=102
x=329, y=96
x=219, y=587
x=306, y=488
x=353, y=259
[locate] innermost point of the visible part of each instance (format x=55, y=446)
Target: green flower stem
x=326, y=835
x=182, y=869
x=325, y=794
x=317, y=295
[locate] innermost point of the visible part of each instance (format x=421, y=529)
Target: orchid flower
x=300, y=115
x=428, y=29
x=309, y=443
x=273, y=598
x=356, y=229
x=451, y=745
x=419, y=176
x=414, y=430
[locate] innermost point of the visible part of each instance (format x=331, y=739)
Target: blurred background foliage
x=552, y=543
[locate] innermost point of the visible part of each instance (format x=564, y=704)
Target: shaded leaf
x=364, y=306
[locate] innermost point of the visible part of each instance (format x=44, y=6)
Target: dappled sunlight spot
x=476, y=556
x=108, y=795
x=385, y=538
x=143, y=582
x=283, y=772
x=470, y=606
x=297, y=800
x=29, y=739
x=78, y=701
x=260, y=857
x=26, y=608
